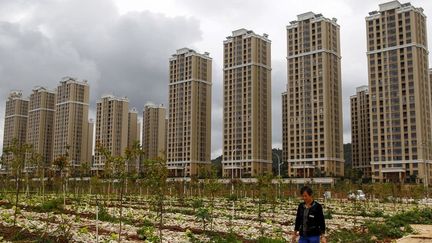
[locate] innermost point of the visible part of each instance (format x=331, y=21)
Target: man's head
x=306, y=193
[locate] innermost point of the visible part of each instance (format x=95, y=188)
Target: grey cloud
x=126, y=55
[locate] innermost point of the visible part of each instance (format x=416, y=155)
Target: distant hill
x=275, y=152
x=347, y=156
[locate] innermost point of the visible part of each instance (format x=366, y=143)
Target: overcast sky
x=122, y=46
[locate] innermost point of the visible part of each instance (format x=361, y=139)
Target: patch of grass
x=105, y=216
x=416, y=216
x=348, y=235
x=328, y=214
x=269, y=240
x=388, y=230
x=229, y=238
x=393, y=227
x=55, y=204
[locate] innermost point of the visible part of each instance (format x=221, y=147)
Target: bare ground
x=424, y=235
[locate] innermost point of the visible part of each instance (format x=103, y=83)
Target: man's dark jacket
x=315, y=223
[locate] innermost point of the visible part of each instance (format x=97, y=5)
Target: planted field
x=194, y=218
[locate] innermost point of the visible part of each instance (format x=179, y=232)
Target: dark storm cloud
x=125, y=55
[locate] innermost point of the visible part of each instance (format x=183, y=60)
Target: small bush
x=103, y=215
x=328, y=214
x=377, y=213
x=230, y=238
x=147, y=222
x=269, y=240
x=192, y=238
x=147, y=233
x=346, y=235
x=197, y=203
x=55, y=204
x=417, y=216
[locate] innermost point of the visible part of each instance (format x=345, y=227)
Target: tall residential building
x=360, y=131
x=71, y=121
x=15, y=124
x=133, y=128
x=89, y=142
x=312, y=125
x=399, y=94
x=111, y=128
x=247, y=105
x=189, y=125
x=284, y=127
x=154, y=131
x=40, y=123
x=133, y=137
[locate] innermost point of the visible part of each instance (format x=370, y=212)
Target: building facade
x=40, y=124
x=15, y=124
x=360, y=131
x=71, y=121
x=133, y=137
x=312, y=123
x=399, y=93
x=133, y=128
x=189, y=121
x=154, y=132
x=112, y=115
x=247, y=105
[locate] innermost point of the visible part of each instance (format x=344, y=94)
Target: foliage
x=328, y=214
x=203, y=215
x=55, y=204
x=393, y=227
x=229, y=238
x=17, y=165
x=147, y=233
x=346, y=235
x=416, y=216
x=103, y=215
x=191, y=237
x=269, y=240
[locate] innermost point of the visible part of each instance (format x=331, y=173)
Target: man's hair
x=306, y=189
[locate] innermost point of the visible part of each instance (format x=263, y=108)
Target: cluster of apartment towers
x=391, y=117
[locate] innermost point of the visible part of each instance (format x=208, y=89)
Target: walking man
x=309, y=223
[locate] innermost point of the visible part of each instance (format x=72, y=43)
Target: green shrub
x=416, y=216
x=377, y=213
x=192, y=238
x=147, y=222
x=269, y=240
x=230, y=238
x=103, y=215
x=55, y=204
x=328, y=214
x=348, y=235
x=147, y=233
x=197, y=203
x=389, y=229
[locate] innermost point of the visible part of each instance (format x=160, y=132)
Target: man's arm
x=298, y=219
x=321, y=220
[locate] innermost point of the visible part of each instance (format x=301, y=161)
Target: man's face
x=306, y=197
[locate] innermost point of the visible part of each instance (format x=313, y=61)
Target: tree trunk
x=27, y=184
x=64, y=194
x=161, y=217
x=16, y=197
x=43, y=185
x=97, y=220
x=121, y=210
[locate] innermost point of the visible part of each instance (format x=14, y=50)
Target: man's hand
x=294, y=236
x=323, y=239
